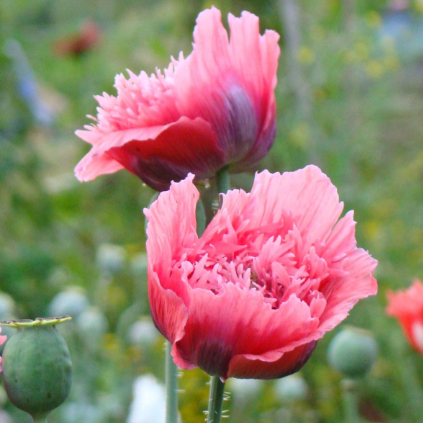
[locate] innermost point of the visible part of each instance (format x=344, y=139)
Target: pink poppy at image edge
x=3, y=339
x=407, y=307
x=274, y=270
x=214, y=108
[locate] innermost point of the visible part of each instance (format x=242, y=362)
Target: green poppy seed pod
x=353, y=352
x=37, y=369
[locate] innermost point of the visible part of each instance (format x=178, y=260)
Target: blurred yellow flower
x=373, y=19
x=110, y=342
x=300, y=136
x=361, y=49
x=412, y=171
x=319, y=94
x=372, y=229
x=418, y=4
x=305, y=55
x=359, y=53
x=384, y=209
x=116, y=296
x=391, y=62
x=416, y=239
x=374, y=69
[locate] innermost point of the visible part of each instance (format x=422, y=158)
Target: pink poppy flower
x=273, y=271
x=214, y=108
x=3, y=339
x=407, y=307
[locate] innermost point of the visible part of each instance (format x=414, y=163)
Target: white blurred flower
x=111, y=258
x=143, y=332
x=291, y=388
x=139, y=265
x=71, y=302
x=148, y=405
x=245, y=388
x=7, y=307
x=75, y=412
x=92, y=324
x=5, y=417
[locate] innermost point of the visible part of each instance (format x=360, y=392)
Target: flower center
x=275, y=270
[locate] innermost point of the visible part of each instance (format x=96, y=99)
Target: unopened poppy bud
x=37, y=369
x=353, y=352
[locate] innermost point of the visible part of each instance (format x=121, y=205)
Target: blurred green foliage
x=362, y=126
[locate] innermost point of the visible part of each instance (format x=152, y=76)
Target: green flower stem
x=40, y=419
x=223, y=181
x=217, y=389
x=171, y=376
x=349, y=392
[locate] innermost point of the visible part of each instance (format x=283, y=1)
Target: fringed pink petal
x=171, y=231
x=247, y=367
x=307, y=194
x=343, y=293
x=172, y=225
x=93, y=165
x=168, y=311
x=141, y=101
x=231, y=214
x=98, y=161
x=341, y=240
x=269, y=62
x=214, y=82
x=157, y=155
x=236, y=322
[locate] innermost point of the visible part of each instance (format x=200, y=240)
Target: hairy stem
x=171, y=376
x=217, y=388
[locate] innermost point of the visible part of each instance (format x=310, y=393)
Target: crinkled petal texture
x=214, y=108
x=274, y=270
x=407, y=307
